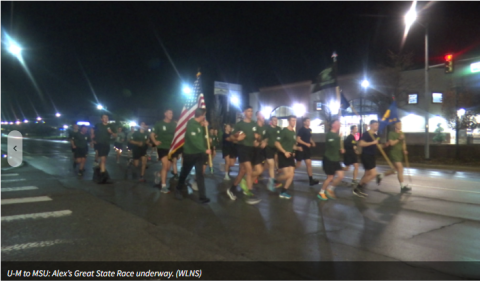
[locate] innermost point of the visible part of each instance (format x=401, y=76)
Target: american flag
x=188, y=112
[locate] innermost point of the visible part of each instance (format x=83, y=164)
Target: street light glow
x=365, y=83
x=25, y=121
x=39, y=118
x=99, y=107
x=461, y=112
x=299, y=109
x=14, y=48
x=334, y=107
x=266, y=111
x=187, y=90
x=235, y=100
x=65, y=126
x=133, y=124
x=58, y=114
x=411, y=16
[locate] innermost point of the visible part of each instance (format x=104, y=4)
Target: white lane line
x=14, y=180
x=21, y=188
x=27, y=246
x=9, y=175
x=25, y=200
x=45, y=215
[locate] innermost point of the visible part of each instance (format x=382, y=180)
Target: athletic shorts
x=139, y=151
x=330, y=167
x=284, y=162
x=350, y=158
x=73, y=150
x=226, y=150
x=306, y=154
x=178, y=153
x=80, y=152
x=396, y=157
x=245, y=153
x=258, y=156
x=162, y=152
x=368, y=161
x=270, y=152
x=118, y=145
x=103, y=149
x=95, y=147
x=233, y=152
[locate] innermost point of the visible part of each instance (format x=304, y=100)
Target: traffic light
x=449, y=63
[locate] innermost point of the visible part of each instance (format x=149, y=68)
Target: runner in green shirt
x=140, y=141
x=162, y=137
x=398, y=148
x=245, y=133
x=285, y=144
x=273, y=131
x=331, y=162
x=101, y=134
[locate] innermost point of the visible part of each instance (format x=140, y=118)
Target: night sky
x=117, y=47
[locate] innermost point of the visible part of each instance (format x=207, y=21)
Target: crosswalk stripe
x=26, y=246
x=14, y=180
x=44, y=215
x=25, y=200
x=21, y=188
x=9, y=175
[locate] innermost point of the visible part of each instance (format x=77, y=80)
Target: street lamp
x=299, y=109
x=266, y=111
x=39, y=118
x=58, y=114
x=99, y=107
x=410, y=18
x=365, y=84
x=14, y=48
x=187, y=90
x=235, y=100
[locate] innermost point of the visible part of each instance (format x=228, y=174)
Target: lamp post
x=365, y=85
x=410, y=18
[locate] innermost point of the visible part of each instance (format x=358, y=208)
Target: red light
x=448, y=57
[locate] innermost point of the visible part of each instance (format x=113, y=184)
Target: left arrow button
x=15, y=148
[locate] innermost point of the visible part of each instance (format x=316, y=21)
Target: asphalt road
x=67, y=218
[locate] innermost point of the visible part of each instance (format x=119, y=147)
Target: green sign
x=475, y=67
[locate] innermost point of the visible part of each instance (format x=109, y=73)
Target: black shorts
x=330, y=167
x=233, y=152
x=103, y=149
x=162, y=152
x=95, y=147
x=350, y=158
x=118, y=145
x=270, y=152
x=245, y=153
x=177, y=153
x=306, y=154
x=368, y=161
x=139, y=151
x=80, y=152
x=73, y=150
x=258, y=156
x=284, y=162
x=226, y=151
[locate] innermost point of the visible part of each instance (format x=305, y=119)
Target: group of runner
x=256, y=144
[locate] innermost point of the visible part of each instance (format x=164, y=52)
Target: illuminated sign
x=412, y=98
x=319, y=106
x=437, y=97
x=475, y=67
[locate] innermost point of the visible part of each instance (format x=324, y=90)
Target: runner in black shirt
x=350, y=157
x=305, y=142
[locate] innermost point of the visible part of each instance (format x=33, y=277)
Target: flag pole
x=208, y=147
x=383, y=152
x=337, y=90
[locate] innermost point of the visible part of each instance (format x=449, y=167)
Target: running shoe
x=285, y=195
x=142, y=179
x=158, y=177
x=194, y=186
x=271, y=185
x=165, y=190
x=379, y=178
x=314, y=182
x=243, y=185
x=406, y=189
x=278, y=184
x=357, y=192
x=330, y=194
x=252, y=200
x=227, y=178
x=322, y=196
x=231, y=195
x=204, y=200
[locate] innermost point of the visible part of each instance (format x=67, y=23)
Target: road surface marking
x=25, y=200
x=26, y=246
x=45, y=215
x=9, y=175
x=21, y=188
x=13, y=180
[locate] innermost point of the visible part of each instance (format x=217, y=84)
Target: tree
x=453, y=101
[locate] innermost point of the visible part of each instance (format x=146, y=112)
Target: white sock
x=164, y=185
x=331, y=187
x=402, y=184
x=322, y=191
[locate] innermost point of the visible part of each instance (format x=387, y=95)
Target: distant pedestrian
x=140, y=141
x=305, y=144
x=71, y=135
x=119, y=140
x=101, y=133
x=80, y=144
x=162, y=137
